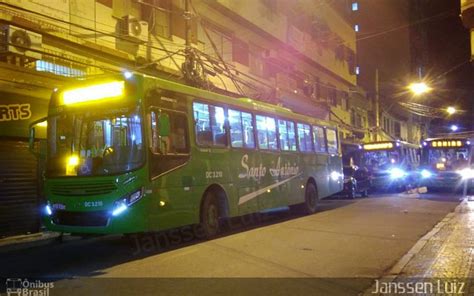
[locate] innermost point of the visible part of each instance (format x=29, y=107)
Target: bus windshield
x=381, y=159
x=93, y=143
x=448, y=158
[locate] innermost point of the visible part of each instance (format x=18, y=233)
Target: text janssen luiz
x=438, y=286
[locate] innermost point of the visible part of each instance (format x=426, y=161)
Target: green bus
x=133, y=153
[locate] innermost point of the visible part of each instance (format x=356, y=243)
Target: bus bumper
x=131, y=220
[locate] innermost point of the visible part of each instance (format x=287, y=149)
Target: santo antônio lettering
x=283, y=170
x=15, y=112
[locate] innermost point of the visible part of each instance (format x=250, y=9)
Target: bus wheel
x=311, y=198
x=210, y=215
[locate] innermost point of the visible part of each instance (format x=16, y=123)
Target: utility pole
x=187, y=16
x=377, y=107
x=189, y=67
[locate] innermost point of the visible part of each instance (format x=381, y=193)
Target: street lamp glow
x=454, y=127
x=451, y=110
x=419, y=88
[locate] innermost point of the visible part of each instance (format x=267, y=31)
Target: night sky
x=448, y=58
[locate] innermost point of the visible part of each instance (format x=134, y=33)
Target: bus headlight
x=122, y=204
x=397, y=173
x=466, y=173
x=47, y=210
x=426, y=174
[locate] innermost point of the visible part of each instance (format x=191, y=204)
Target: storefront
x=20, y=193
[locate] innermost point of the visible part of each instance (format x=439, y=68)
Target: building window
x=356, y=28
x=357, y=70
x=256, y=60
x=222, y=41
x=240, y=52
x=355, y=6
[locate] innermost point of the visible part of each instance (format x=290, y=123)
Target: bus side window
x=175, y=139
x=283, y=134
x=248, y=129
x=304, y=137
x=202, y=124
x=266, y=132
x=332, y=140
x=319, y=139
x=241, y=129
x=218, y=126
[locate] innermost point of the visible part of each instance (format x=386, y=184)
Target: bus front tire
x=209, y=219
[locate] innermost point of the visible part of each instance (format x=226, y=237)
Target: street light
x=419, y=88
x=451, y=110
x=454, y=127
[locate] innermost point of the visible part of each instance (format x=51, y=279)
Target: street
x=344, y=240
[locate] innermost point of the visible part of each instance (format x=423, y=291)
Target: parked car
x=357, y=180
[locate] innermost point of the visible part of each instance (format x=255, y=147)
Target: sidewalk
x=440, y=263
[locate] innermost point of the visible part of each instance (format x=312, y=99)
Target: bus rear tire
x=310, y=199
x=209, y=220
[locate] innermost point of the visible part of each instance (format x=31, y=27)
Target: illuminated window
x=355, y=6
x=356, y=28
x=286, y=131
x=266, y=132
x=357, y=70
x=44, y=66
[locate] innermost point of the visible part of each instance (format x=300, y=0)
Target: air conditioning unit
x=134, y=29
x=21, y=42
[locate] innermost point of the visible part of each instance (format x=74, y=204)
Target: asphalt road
x=338, y=250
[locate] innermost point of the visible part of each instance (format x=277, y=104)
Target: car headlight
x=426, y=174
x=122, y=204
x=397, y=173
x=466, y=173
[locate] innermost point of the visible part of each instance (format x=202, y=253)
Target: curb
x=396, y=269
x=21, y=242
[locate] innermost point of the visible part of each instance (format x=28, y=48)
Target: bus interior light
x=93, y=93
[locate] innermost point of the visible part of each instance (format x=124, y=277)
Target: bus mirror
x=163, y=125
x=33, y=144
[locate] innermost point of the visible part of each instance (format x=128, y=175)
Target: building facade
x=298, y=54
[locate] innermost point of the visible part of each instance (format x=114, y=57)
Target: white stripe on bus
x=252, y=195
